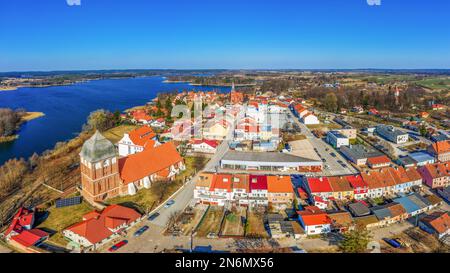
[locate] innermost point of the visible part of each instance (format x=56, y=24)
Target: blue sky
x=114, y=34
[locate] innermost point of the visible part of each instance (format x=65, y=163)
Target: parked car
x=153, y=216
x=118, y=245
x=169, y=203
x=333, y=154
x=140, y=231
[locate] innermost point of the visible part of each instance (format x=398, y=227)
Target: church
x=104, y=174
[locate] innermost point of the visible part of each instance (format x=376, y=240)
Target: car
x=333, y=154
x=169, y=203
x=343, y=165
x=118, y=245
x=340, y=162
x=324, y=160
x=140, y=231
x=153, y=216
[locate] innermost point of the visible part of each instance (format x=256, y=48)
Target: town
x=244, y=171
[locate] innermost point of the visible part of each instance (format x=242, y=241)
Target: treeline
x=212, y=80
x=333, y=100
x=10, y=121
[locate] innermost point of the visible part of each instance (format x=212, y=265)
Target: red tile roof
x=24, y=217
x=319, y=184
x=356, y=181
x=152, y=160
x=29, y=238
x=222, y=182
x=258, y=182
x=378, y=160
x=313, y=216
x=97, y=229
x=441, y=147
x=143, y=136
x=437, y=170
x=440, y=221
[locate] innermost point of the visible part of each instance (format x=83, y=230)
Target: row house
x=436, y=175
x=314, y=221
x=241, y=189
x=440, y=150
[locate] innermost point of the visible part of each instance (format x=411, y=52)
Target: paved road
x=324, y=150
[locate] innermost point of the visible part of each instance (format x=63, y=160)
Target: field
x=233, y=223
x=61, y=218
x=255, y=225
x=211, y=222
x=115, y=134
x=435, y=83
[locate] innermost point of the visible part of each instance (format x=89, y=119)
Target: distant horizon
x=225, y=69
x=50, y=35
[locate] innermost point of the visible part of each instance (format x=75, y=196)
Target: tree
x=355, y=241
x=330, y=102
x=101, y=120
x=423, y=130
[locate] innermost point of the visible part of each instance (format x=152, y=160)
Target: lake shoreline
x=29, y=116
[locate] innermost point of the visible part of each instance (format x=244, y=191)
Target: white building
x=136, y=140
x=310, y=119
x=336, y=139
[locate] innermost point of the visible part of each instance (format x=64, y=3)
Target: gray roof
x=97, y=148
x=359, y=151
x=263, y=157
x=387, y=130
x=381, y=212
x=406, y=161
x=358, y=209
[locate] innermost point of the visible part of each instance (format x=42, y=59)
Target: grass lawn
x=255, y=225
x=211, y=222
x=115, y=134
x=61, y=218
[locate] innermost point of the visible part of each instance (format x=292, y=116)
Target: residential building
x=314, y=221
x=258, y=194
x=97, y=228
x=319, y=186
x=137, y=140
x=341, y=221
x=360, y=187
x=440, y=150
x=445, y=193
x=358, y=153
x=204, y=146
x=436, y=175
x=342, y=190
x=280, y=190
x=221, y=189
x=241, y=189
x=390, y=133
x=202, y=188
x=336, y=139
x=422, y=158
x=378, y=162
x=359, y=209
x=436, y=223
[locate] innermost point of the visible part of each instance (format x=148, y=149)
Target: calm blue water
x=67, y=107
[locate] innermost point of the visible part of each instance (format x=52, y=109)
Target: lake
x=67, y=107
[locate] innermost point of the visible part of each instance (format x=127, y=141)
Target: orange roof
x=142, y=136
x=97, y=229
x=240, y=181
x=373, y=180
x=378, y=160
x=222, y=182
x=441, y=147
x=276, y=183
x=440, y=221
x=204, y=180
x=152, y=160
x=339, y=184
x=438, y=170
x=313, y=216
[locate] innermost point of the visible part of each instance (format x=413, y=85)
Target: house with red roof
x=436, y=175
x=319, y=186
x=314, y=220
x=204, y=145
x=258, y=194
x=440, y=150
x=360, y=188
x=97, y=228
x=221, y=189
x=137, y=140
x=378, y=162
x=21, y=233
x=437, y=223
x=141, y=116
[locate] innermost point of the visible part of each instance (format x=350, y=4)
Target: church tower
x=99, y=166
